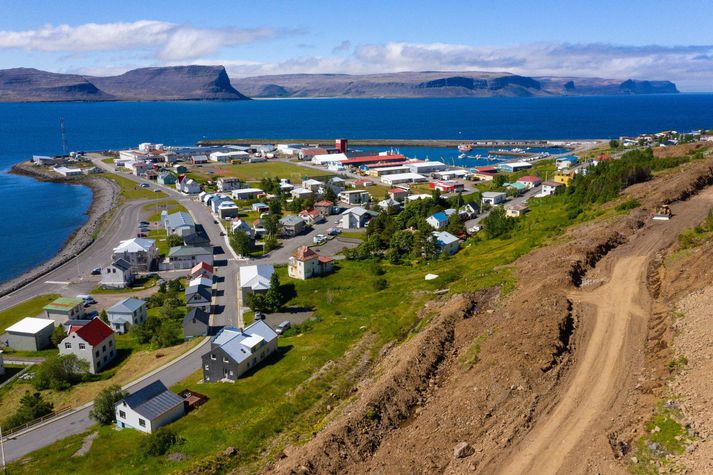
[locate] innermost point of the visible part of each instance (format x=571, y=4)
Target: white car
x=319, y=239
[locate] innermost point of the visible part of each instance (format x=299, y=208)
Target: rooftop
x=129, y=305
x=63, y=304
x=153, y=400
x=94, y=332
x=30, y=325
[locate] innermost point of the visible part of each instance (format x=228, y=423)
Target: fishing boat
x=464, y=147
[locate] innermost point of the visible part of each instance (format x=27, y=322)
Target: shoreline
x=105, y=196
x=435, y=143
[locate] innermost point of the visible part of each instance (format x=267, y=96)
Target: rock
x=462, y=450
x=634, y=460
x=230, y=452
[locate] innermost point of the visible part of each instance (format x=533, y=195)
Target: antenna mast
x=64, y=138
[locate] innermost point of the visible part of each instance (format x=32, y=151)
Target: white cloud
x=168, y=41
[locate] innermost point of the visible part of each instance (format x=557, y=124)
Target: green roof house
x=65, y=308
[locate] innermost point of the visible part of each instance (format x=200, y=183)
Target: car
x=222, y=233
x=144, y=223
x=144, y=185
x=283, y=327
x=97, y=271
x=319, y=239
x=140, y=235
x=259, y=316
x=157, y=190
x=88, y=299
x=333, y=231
x=91, y=315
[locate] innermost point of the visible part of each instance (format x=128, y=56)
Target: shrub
x=60, y=372
x=160, y=442
x=380, y=284
x=103, y=411
x=32, y=406
x=58, y=335
x=627, y=205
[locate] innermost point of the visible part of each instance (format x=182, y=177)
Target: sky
x=653, y=39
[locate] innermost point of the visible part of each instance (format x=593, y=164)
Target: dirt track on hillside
x=614, y=337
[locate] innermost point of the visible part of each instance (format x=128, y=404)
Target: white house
x=438, y=220
x=228, y=184
x=149, y=408
x=30, y=334
x=305, y=263
x=180, y=223
x=117, y=275
x=247, y=193
x=312, y=185
x=446, y=242
x=94, y=343
x=300, y=192
x=125, y=313
x=492, y=198
x=186, y=257
x=550, y=188
x=187, y=185
x=355, y=218
x=228, y=209
x=241, y=225
x=140, y=253
x=255, y=279
x=354, y=197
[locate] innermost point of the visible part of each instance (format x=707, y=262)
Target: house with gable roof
x=305, y=263
x=94, y=343
x=127, y=312
x=438, y=220
x=117, y=275
x=234, y=351
x=140, y=253
x=149, y=408
x=255, y=279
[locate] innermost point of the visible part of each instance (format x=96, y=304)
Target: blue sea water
x=38, y=217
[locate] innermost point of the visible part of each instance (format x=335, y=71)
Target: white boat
x=462, y=155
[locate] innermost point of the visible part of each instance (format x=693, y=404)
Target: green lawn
x=28, y=308
x=257, y=171
x=172, y=206
x=130, y=190
x=159, y=235
x=346, y=308
x=142, y=283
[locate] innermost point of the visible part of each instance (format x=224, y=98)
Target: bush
x=160, y=442
x=380, y=284
x=32, y=406
x=627, y=205
x=60, y=372
x=103, y=411
x=58, y=335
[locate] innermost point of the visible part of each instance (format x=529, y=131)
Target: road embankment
x=105, y=194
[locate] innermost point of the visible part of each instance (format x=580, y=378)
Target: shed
x=30, y=334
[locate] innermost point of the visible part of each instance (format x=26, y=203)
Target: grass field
x=257, y=171
x=172, y=206
x=347, y=308
x=142, y=283
x=130, y=190
x=28, y=308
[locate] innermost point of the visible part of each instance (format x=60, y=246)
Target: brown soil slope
x=555, y=381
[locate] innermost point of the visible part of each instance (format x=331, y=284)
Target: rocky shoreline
x=105, y=194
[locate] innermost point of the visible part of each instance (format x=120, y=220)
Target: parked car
x=157, y=190
x=333, y=231
x=259, y=316
x=140, y=235
x=97, y=271
x=319, y=239
x=283, y=327
x=144, y=223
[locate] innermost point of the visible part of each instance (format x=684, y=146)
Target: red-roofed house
x=530, y=181
x=94, y=343
x=359, y=182
x=202, y=269
x=325, y=207
x=446, y=186
x=398, y=194
x=306, y=263
x=312, y=216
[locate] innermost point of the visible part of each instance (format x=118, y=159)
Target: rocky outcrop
x=26, y=84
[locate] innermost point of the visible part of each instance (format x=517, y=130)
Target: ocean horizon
x=40, y=216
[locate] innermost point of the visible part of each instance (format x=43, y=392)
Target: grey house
x=234, y=351
x=117, y=275
x=292, y=225
x=186, y=257
x=149, y=408
x=199, y=296
x=125, y=313
x=179, y=223
x=30, y=334
x=196, y=323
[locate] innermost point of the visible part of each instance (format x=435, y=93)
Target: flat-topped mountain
x=439, y=84
x=145, y=84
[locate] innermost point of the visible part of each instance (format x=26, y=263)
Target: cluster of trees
x=103, y=411
x=164, y=329
x=60, y=372
x=498, y=224
x=32, y=407
x=270, y=301
x=406, y=235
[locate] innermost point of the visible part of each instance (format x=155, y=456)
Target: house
x=512, y=167
x=30, y=334
x=214, y=201
x=199, y=159
x=564, y=177
x=421, y=167
x=398, y=194
x=300, y=193
x=227, y=210
x=201, y=280
x=202, y=269
x=312, y=185
x=140, y=253
x=260, y=207
x=400, y=178
x=255, y=279
x=305, y=263
x=178, y=169
x=492, y=198
x=166, y=178
x=187, y=185
x=566, y=162
x=292, y=225
x=233, y=351
x=228, y=184
x=125, y=313
x=445, y=186
x=389, y=203
x=359, y=182
x=550, y=188
x=199, y=296
x=438, y=220
x=196, y=323
x=179, y=223
x=117, y=275
x=468, y=211
x=258, y=228
x=517, y=185
x=247, y=193
x=446, y=242
x=186, y=257
x=515, y=210
x=530, y=181
x=149, y=408
x=325, y=207
x=354, y=197
x=355, y=218
x=312, y=216
x=94, y=343
x=241, y=225
x=64, y=308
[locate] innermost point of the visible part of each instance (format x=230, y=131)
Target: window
x=212, y=356
x=111, y=353
x=225, y=360
x=82, y=346
x=207, y=367
x=122, y=414
x=68, y=345
x=142, y=423
x=111, y=343
x=97, y=353
x=104, y=349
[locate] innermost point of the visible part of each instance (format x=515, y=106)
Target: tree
x=497, y=223
x=455, y=224
x=613, y=143
x=174, y=285
x=170, y=310
x=60, y=372
x=269, y=243
x=240, y=242
x=32, y=406
x=400, y=246
x=271, y=223
x=173, y=240
x=329, y=195
x=58, y=335
x=257, y=302
x=104, y=316
x=499, y=180
x=103, y=411
x=274, y=296
x=160, y=442
x=275, y=207
x=167, y=334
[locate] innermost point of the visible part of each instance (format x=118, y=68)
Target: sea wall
x=105, y=194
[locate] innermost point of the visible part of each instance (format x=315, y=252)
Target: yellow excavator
x=663, y=213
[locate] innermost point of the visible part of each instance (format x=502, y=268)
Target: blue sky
x=655, y=39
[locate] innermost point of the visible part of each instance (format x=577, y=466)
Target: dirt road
x=613, y=333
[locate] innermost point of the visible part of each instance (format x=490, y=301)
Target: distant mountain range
x=212, y=83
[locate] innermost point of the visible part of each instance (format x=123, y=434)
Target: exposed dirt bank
x=105, y=195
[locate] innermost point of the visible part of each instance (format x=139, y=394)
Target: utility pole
x=2, y=449
x=64, y=138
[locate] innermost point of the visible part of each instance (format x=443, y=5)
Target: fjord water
x=38, y=217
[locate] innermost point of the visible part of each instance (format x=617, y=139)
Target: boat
x=464, y=147
x=462, y=155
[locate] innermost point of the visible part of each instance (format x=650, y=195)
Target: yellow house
x=564, y=177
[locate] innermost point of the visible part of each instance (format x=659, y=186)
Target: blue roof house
x=438, y=220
